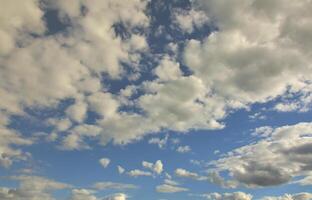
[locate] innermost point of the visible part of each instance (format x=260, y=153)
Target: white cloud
x=120, y=169
x=165, y=188
x=82, y=194
x=77, y=111
x=113, y=185
x=118, y=196
x=227, y=196
x=62, y=66
x=156, y=168
x=189, y=20
x=299, y=196
x=8, y=151
x=187, y=174
x=160, y=142
x=259, y=65
x=74, y=140
x=170, y=182
x=18, y=20
x=168, y=70
x=184, y=149
x=104, y=162
x=32, y=188
x=137, y=172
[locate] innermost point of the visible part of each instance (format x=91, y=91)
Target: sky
x=155, y=100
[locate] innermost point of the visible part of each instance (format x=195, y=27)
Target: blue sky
x=155, y=100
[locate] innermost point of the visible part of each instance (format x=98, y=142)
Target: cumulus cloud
x=61, y=66
x=183, y=149
x=156, y=168
x=299, y=196
x=168, y=69
x=82, y=194
x=32, y=188
x=187, y=174
x=41, y=69
x=280, y=155
x=259, y=65
x=104, y=162
x=188, y=20
x=8, y=151
x=120, y=169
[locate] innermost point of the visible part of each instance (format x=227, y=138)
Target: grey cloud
x=274, y=159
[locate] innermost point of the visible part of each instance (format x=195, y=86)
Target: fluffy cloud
x=18, y=21
x=157, y=167
x=32, y=188
x=187, y=174
x=189, y=20
x=8, y=152
x=120, y=169
x=299, y=196
x=104, y=162
x=39, y=69
x=82, y=194
x=280, y=155
x=168, y=70
x=42, y=71
x=258, y=65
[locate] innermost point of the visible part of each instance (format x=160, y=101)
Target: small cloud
x=104, y=162
x=120, y=169
x=165, y=188
x=157, y=167
x=137, y=172
x=183, y=149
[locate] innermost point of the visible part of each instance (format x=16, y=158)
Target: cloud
x=227, y=196
x=77, y=111
x=27, y=20
x=165, y=188
x=78, y=62
x=168, y=69
x=8, y=151
x=299, y=196
x=160, y=142
x=183, y=149
x=113, y=185
x=156, y=168
x=137, y=172
x=32, y=188
x=259, y=65
x=279, y=156
x=89, y=47
x=104, y=162
x=187, y=174
x=120, y=169
x=189, y=20
x=118, y=196
x=82, y=194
